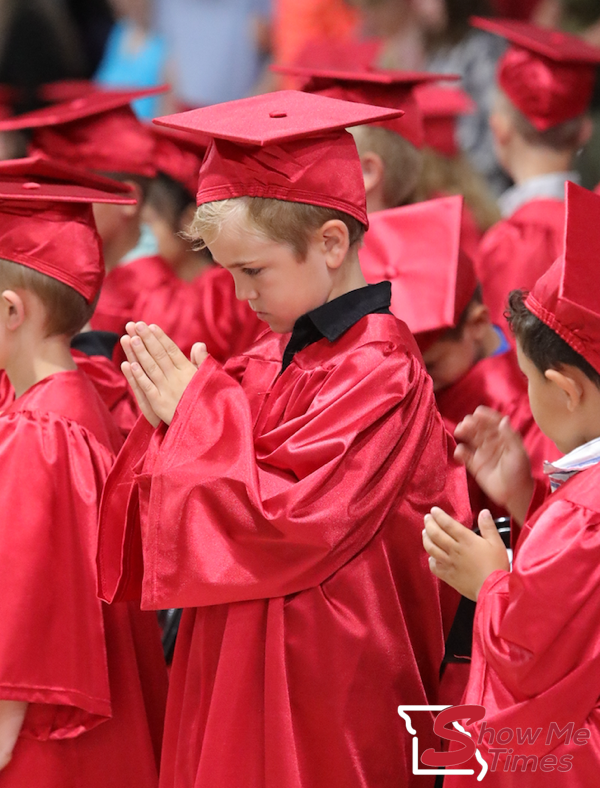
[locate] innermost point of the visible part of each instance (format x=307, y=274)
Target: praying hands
x=157, y=371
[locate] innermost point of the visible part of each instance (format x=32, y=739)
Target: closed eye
x=251, y=271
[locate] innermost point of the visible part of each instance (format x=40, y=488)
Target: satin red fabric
x=76, y=661
x=205, y=310
x=108, y=381
x=285, y=511
x=515, y=252
x=498, y=383
x=536, y=649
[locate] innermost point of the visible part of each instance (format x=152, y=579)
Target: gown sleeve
x=52, y=647
x=536, y=652
x=227, y=516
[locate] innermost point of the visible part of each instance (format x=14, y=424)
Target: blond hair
x=290, y=223
x=443, y=176
x=401, y=161
x=67, y=311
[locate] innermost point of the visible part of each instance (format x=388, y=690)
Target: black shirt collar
x=331, y=320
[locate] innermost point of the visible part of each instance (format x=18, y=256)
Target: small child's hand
x=159, y=370
x=494, y=455
x=460, y=557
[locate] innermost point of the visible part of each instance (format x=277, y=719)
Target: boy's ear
x=372, y=170
x=335, y=240
x=569, y=382
x=13, y=309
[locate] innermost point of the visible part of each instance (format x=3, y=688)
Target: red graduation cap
x=378, y=87
x=440, y=107
x=47, y=221
x=98, y=131
x=565, y=298
x=179, y=155
x=288, y=145
x=66, y=90
x=547, y=74
x=417, y=247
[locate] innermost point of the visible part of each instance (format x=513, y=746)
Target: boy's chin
x=278, y=325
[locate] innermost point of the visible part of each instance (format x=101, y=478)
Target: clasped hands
x=495, y=456
x=157, y=371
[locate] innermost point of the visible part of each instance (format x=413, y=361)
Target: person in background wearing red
x=546, y=80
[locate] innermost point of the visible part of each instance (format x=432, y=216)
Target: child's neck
x=116, y=249
x=48, y=356
x=530, y=161
x=191, y=265
x=349, y=276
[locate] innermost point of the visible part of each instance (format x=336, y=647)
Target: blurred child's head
x=559, y=378
x=391, y=167
x=515, y=135
x=286, y=258
x=547, y=80
x=449, y=355
x=49, y=307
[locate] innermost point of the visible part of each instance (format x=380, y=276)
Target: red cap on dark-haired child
x=97, y=131
x=565, y=297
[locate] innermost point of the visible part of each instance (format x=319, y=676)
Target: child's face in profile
x=547, y=402
x=269, y=276
x=447, y=360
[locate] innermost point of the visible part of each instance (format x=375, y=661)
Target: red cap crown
x=417, y=247
x=47, y=221
x=98, y=131
x=380, y=88
x=179, y=155
x=565, y=298
x=287, y=145
x=440, y=108
x=547, y=74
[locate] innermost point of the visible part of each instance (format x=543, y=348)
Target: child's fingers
x=127, y=349
x=141, y=398
x=130, y=328
x=173, y=352
x=438, y=537
x=433, y=549
x=448, y=524
x=146, y=361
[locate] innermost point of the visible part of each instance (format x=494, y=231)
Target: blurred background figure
x=135, y=55
x=218, y=48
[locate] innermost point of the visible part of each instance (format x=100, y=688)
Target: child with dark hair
x=536, y=646
x=435, y=290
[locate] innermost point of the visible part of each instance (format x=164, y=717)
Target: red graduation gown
x=285, y=511
x=498, y=383
x=108, y=381
x=536, y=643
x=77, y=661
x=205, y=310
x=515, y=252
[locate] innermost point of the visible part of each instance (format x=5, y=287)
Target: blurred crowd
x=210, y=52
